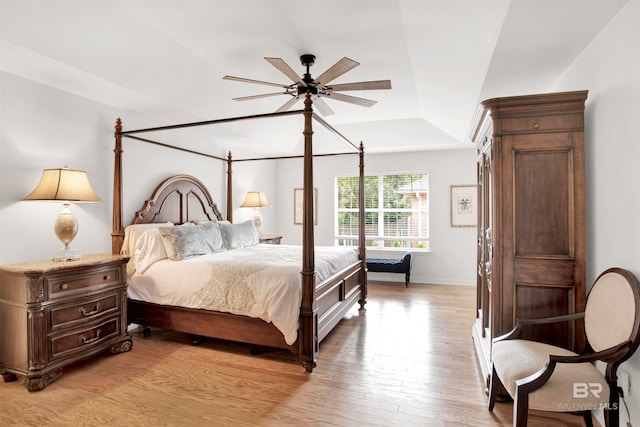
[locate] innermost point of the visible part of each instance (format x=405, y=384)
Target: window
x=396, y=210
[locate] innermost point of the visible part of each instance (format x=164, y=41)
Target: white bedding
x=261, y=281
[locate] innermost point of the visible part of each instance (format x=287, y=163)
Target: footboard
x=337, y=295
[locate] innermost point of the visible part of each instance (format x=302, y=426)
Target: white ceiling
x=163, y=61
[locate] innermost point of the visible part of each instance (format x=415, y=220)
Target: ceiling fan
x=318, y=87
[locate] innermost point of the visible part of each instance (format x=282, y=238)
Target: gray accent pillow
x=240, y=235
x=191, y=240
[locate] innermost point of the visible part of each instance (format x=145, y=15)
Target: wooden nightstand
x=270, y=238
x=55, y=313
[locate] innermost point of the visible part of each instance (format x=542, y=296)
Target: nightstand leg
x=122, y=346
x=38, y=383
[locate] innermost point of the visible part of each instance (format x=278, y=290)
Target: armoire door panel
x=544, y=271
x=532, y=301
x=534, y=288
x=542, y=203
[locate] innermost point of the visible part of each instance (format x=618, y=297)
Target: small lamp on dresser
x=256, y=199
x=67, y=186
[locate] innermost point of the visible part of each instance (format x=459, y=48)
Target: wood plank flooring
x=407, y=361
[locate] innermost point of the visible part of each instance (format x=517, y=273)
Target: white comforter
x=261, y=281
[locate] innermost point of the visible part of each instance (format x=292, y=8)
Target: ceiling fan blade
x=372, y=85
x=264, y=95
x=350, y=99
x=322, y=106
x=288, y=104
x=260, y=82
x=336, y=70
x=286, y=70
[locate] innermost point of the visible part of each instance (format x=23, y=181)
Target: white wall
x=42, y=127
x=452, y=256
x=610, y=69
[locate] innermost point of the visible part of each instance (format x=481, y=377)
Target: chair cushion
x=572, y=386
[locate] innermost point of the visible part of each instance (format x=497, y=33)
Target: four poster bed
x=324, y=296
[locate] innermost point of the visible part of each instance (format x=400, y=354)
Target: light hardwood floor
x=409, y=360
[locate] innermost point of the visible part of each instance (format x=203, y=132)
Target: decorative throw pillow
x=240, y=235
x=186, y=242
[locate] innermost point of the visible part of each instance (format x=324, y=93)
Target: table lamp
x=66, y=186
x=256, y=199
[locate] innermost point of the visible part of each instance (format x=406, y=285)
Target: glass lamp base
x=67, y=254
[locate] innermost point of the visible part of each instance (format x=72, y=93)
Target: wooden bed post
x=308, y=311
x=117, y=233
x=229, y=189
x=362, y=241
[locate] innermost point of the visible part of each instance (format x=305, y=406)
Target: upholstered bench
x=401, y=265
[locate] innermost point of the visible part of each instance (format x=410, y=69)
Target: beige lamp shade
x=256, y=199
x=64, y=185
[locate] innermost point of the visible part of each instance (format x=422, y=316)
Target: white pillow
x=149, y=250
x=131, y=235
x=240, y=235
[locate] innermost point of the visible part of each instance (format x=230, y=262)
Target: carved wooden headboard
x=178, y=199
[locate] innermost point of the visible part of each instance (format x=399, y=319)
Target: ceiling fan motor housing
x=307, y=59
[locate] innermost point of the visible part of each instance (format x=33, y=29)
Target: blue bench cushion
x=384, y=265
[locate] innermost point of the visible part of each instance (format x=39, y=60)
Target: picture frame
x=298, y=199
x=464, y=206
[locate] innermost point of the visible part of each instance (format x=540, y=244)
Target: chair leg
x=612, y=412
x=612, y=417
x=495, y=387
x=520, y=408
x=588, y=421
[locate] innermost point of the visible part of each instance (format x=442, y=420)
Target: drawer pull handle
x=90, y=313
x=105, y=278
x=90, y=340
x=536, y=126
x=64, y=286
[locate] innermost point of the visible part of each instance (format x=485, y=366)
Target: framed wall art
x=297, y=206
x=464, y=206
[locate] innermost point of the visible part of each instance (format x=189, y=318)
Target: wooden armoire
x=531, y=217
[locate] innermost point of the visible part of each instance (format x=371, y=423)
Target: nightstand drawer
x=86, y=310
x=82, y=340
x=66, y=284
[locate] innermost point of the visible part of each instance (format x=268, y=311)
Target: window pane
x=397, y=191
x=348, y=223
x=348, y=191
x=370, y=192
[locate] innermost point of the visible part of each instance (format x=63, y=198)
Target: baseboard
x=399, y=278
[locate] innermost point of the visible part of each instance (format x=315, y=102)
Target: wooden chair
x=549, y=378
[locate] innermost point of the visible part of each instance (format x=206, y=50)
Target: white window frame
x=380, y=239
